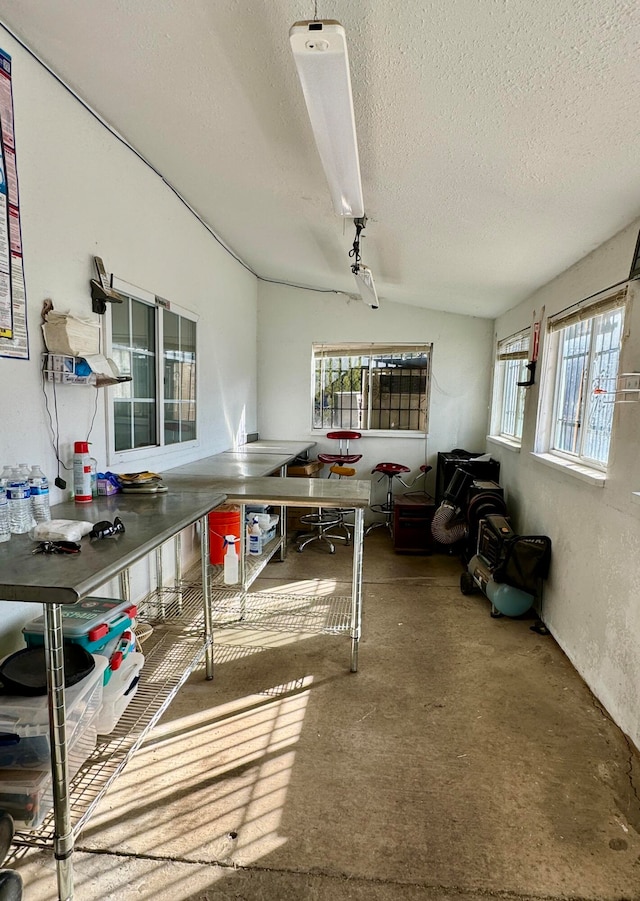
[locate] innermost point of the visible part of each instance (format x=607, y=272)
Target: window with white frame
x=508, y=396
x=371, y=386
x=585, y=348
x=154, y=343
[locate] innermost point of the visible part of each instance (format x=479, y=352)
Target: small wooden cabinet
x=412, y=515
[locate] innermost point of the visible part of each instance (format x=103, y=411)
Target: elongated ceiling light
x=320, y=53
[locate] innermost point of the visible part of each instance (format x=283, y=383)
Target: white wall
x=591, y=598
x=290, y=320
x=83, y=193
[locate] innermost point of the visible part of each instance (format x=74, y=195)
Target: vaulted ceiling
x=499, y=139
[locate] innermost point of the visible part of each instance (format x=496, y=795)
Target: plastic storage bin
x=93, y=623
x=24, y=721
x=119, y=693
x=116, y=652
x=27, y=794
x=26, y=789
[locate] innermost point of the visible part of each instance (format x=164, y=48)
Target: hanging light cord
x=355, y=250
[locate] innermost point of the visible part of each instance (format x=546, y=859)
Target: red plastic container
x=224, y=520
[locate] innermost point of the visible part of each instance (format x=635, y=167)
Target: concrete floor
x=465, y=760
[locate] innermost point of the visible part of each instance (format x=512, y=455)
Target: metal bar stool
x=390, y=471
x=343, y=456
x=322, y=522
x=342, y=472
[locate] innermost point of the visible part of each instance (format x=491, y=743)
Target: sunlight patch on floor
x=224, y=803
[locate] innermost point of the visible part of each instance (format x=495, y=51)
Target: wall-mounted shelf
x=69, y=370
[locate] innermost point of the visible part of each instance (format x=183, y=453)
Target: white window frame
x=505, y=377
x=160, y=449
x=352, y=349
x=577, y=464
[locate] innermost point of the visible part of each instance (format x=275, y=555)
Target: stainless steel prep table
x=194, y=490
x=265, y=446
x=234, y=465
x=60, y=579
x=350, y=493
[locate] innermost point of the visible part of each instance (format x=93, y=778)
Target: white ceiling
x=499, y=139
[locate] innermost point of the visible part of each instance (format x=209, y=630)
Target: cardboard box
x=310, y=470
x=293, y=519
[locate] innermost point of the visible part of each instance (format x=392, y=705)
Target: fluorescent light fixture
x=366, y=286
x=320, y=54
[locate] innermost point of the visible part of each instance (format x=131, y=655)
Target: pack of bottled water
x=24, y=499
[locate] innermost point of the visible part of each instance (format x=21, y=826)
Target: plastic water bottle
x=5, y=528
x=19, y=502
x=39, y=489
x=255, y=539
x=230, y=561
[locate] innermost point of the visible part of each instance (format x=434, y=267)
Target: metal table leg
x=356, y=588
x=283, y=523
x=125, y=585
x=63, y=837
x=206, y=595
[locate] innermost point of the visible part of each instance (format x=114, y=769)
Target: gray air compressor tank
x=505, y=598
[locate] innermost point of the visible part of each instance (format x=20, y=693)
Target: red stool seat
x=390, y=469
x=343, y=455
x=343, y=435
x=339, y=458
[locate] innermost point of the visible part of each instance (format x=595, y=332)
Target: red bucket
x=224, y=520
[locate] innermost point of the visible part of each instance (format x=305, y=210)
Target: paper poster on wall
x=14, y=339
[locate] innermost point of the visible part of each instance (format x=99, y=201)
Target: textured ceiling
x=499, y=139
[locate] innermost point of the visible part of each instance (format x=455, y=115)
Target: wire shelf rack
x=175, y=649
x=253, y=566
x=281, y=612
x=171, y=655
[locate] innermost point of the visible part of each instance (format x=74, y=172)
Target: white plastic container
x=119, y=692
x=27, y=720
x=27, y=794
x=231, y=575
x=255, y=539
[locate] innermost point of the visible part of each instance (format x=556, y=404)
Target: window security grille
x=385, y=390
x=588, y=359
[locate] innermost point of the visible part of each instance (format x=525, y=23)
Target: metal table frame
x=60, y=580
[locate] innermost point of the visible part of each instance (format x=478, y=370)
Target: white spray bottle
x=255, y=538
x=230, y=561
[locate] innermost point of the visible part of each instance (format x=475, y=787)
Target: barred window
x=371, y=386
x=588, y=357
x=508, y=396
